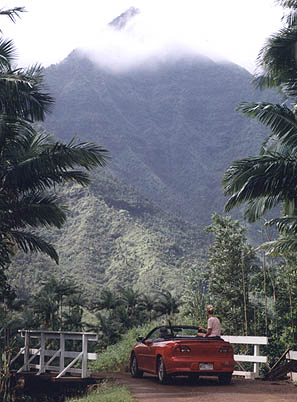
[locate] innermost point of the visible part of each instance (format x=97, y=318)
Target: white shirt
x=214, y=324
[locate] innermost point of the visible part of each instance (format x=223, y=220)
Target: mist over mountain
x=136, y=40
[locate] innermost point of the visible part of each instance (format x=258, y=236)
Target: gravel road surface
x=147, y=389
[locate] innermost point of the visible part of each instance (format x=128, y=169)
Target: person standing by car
x=213, y=324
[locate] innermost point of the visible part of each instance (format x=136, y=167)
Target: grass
x=107, y=392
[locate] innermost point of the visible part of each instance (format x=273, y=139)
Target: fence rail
x=256, y=358
x=46, y=357
x=292, y=355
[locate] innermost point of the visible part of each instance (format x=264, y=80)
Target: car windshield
x=173, y=332
x=185, y=332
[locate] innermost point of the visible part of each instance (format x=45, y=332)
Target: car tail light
x=226, y=349
x=182, y=349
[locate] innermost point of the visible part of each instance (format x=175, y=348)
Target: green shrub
x=116, y=357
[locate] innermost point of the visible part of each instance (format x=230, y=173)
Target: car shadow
x=186, y=381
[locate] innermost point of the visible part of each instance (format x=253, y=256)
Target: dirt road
x=147, y=389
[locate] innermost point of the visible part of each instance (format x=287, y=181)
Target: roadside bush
x=116, y=357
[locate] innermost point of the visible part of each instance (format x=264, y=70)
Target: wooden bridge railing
x=256, y=358
x=292, y=355
x=46, y=357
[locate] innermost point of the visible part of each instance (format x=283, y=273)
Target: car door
x=145, y=355
x=146, y=352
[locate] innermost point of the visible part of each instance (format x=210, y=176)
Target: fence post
x=84, y=361
x=62, y=353
x=42, y=352
x=26, y=351
x=256, y=364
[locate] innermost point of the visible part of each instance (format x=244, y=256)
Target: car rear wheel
x=225, y=378
x=134, y=370
x=163, y=377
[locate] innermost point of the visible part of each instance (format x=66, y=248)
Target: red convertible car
x=177, y=350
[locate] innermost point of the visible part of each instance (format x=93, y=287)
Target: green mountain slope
x=172, y=131
x=171, y=128
x=114, y=237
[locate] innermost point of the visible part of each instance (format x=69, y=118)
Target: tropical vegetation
x=113, y=236
x=268, y=180
x=253, y=293
x=32, y=163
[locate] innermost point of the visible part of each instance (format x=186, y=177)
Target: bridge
x=46, y=351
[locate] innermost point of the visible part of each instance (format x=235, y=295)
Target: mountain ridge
x=121, y=21
x=163, y=125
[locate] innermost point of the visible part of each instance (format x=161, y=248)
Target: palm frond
x=269, y=179
x=287, y=224
x=33, y=210
x=85, y=154
x=12, y=13
x=37, y=162
x=6, y=250
x=15, y=133
x=283, y=246
x=29, y=242
x=7, y=53
x=288, y=3
x=22, y=94
x=277, y=60
x=278, y=118
x=261, y=176
x=258, y=207
x=291, y=18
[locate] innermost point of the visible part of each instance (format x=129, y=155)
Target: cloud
x=231, y=29
x=146, y=39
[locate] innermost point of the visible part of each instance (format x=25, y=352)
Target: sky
x=234, y=30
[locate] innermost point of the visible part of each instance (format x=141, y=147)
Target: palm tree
x=269, y=179
x=21, y=90
x=277, y=58
x=46, y=308
x=166, y=304
x=73, y=321
x=108, y=300
x=130, y=299
x=109, y=330
x=60, y=289
x=147, y=303
x=31, y=163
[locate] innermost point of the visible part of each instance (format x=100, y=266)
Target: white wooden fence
x=256, y=358
x=292, y=355
x=46, y=357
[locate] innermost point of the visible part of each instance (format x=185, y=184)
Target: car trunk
x=203, y=355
